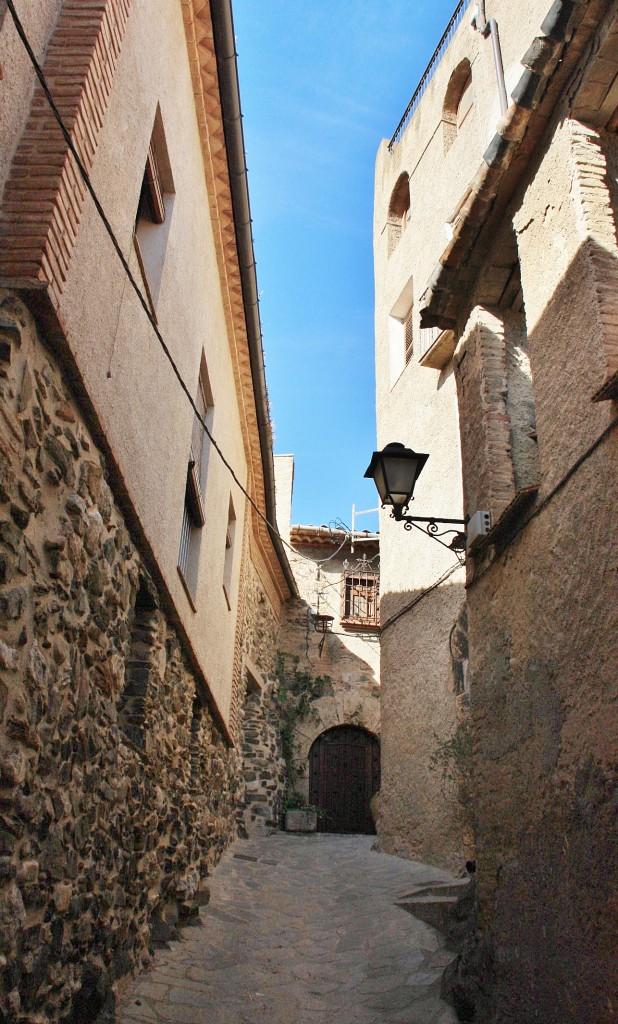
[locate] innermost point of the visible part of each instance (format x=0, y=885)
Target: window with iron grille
x=361, y=599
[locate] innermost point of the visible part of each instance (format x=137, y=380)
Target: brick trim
x=598, y=226
x=44, y=195
x=485, y=426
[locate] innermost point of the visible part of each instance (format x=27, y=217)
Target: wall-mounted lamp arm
x=432, y=528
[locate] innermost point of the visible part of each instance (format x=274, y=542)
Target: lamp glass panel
x=400, y=478
x=380, y=482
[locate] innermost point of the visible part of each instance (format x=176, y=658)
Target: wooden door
x=344, y=773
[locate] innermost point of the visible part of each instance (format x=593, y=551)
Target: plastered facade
x=525, y=282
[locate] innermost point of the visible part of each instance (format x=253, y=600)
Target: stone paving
x=300, y=930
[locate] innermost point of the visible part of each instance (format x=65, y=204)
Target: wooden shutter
x=408, y=336
x=153, y=188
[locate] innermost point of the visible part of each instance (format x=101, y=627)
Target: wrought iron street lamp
x=395, y=471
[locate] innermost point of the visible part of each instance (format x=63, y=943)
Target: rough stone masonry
x=117, y=789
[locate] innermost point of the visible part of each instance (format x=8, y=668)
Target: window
x=154, y=211
x=398, y=211
x=401, y=333
x=200, y=448
x=194, y=515
x=408, y=338
x=361, y=600
x=436, y=347
x=228, y=564
x=465, y=102
x=458, y=102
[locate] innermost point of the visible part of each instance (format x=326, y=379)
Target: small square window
x=361, y=600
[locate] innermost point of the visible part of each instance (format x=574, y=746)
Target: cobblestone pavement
x=300, y=929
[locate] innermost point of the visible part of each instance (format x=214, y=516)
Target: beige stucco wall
x=18, y=77
x=145, y=416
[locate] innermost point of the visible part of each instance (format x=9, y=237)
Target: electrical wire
x=129, y=274
x=419, y=597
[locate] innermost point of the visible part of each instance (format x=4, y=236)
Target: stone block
x=298, y=820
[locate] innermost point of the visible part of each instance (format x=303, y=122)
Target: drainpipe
x=490, y=28
x=225, y=49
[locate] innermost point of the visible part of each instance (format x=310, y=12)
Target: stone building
x=325, y=701
x=423, y=698
x=139, y=589
x=512, y=202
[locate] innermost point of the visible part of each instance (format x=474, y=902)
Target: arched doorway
x=344, y=773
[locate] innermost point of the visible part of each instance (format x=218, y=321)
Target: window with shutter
x=408, y=336
x=228, y=564
x=194, y=515
x=154, y=210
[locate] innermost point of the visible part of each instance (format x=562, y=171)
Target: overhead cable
x=134, y=284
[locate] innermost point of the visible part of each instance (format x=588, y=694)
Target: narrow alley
x=300, y=930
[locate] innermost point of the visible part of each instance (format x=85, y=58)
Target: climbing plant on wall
x=296, y=691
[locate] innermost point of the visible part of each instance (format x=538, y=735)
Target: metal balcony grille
x=428, y=74
x=427, y=337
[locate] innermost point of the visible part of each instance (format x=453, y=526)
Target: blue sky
x=321, y=84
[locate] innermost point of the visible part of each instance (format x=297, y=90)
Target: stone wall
x=117, y=787
x=542, y=596
x=263, y=768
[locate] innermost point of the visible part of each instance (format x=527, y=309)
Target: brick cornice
x=44, y=195
x=203, y=64
x=590, y=176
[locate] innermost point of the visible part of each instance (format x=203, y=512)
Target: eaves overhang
x=324, y=536
x=548, y=65
x=209, y=29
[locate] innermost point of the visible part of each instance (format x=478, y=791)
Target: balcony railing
x=449, y=32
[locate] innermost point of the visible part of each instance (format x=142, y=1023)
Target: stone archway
x=344, y=774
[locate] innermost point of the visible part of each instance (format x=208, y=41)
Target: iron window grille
x=360, y=599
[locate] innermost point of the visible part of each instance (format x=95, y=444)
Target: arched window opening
x=458, y=102
x=398, y=211
x=144, y=629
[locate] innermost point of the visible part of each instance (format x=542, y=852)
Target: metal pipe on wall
x=490, y=28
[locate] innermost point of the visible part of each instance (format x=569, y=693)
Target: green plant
x=296, y=690
x=295, y=801
x=452, y=758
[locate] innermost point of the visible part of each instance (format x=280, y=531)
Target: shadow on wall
x=425, y=811
x=544, y=689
